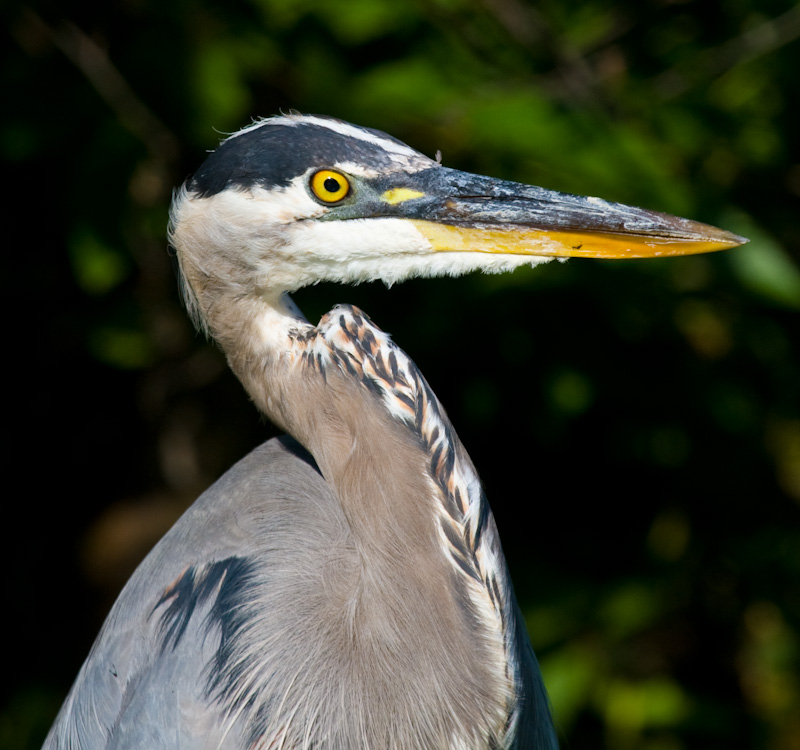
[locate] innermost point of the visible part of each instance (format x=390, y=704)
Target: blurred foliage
x=637, y=424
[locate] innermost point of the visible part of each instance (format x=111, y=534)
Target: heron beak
x=460, y=212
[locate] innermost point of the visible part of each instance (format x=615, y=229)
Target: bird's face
x=294, y=200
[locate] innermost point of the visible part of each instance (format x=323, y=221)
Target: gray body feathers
x=231, y=634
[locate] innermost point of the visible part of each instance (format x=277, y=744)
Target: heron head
x=293, y=200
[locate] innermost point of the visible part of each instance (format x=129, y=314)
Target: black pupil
x=332, y=185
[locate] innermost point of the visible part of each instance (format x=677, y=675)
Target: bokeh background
x=637, y=424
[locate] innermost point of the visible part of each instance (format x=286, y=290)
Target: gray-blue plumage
x=252, y=560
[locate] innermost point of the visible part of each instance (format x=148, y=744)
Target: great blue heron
x=344, y=587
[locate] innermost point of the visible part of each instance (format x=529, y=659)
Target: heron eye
x=329, y=186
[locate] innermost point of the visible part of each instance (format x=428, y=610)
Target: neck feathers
x=409, y=492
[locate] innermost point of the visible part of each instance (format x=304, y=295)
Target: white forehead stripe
x=343, y=128
x=351, y=131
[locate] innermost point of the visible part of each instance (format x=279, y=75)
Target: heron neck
x=313, y=383
x=352, y=398
x=421, y=531
x=257, y=333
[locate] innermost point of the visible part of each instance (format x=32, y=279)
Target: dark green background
x=637, y=425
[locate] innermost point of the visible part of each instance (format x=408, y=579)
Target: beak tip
x=727, y=240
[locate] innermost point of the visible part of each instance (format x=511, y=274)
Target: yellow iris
x=330, y=186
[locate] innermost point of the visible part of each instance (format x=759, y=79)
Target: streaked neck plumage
x=356, y=401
